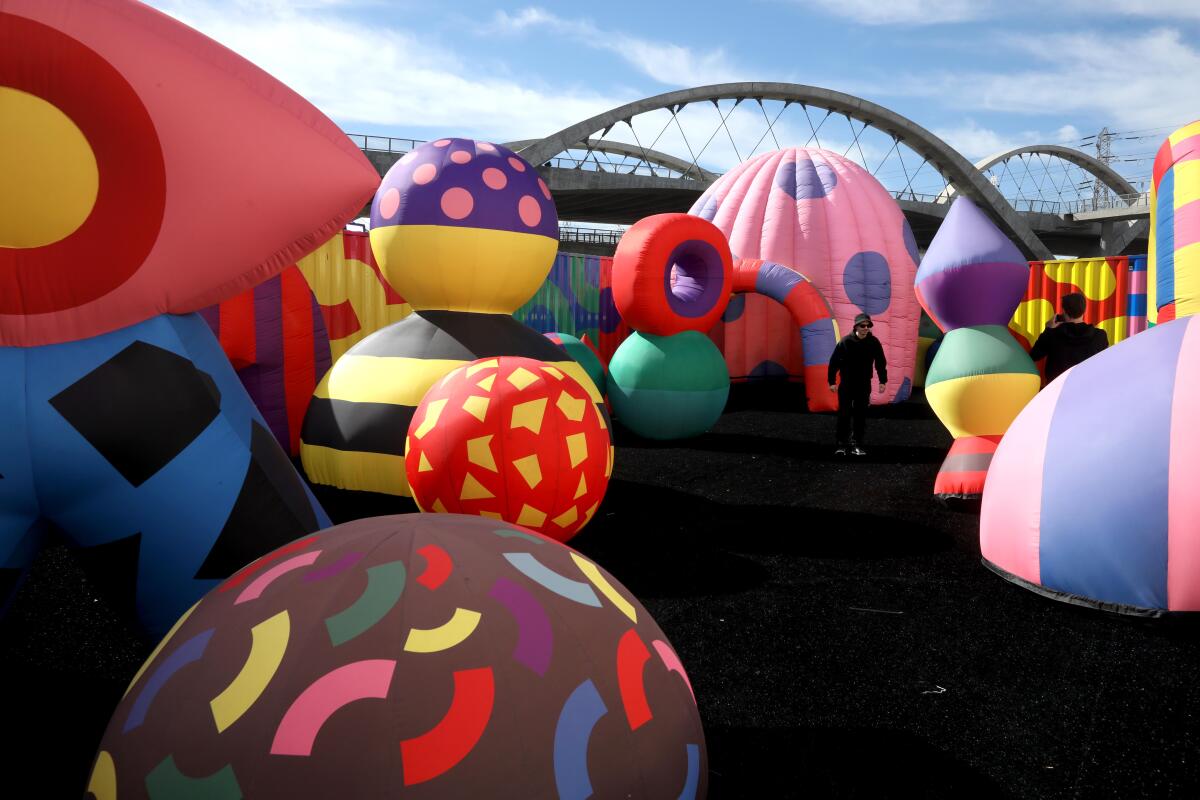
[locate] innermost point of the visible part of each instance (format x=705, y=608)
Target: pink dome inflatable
x=830, y=220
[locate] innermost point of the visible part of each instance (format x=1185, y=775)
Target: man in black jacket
x=853, y=357
x=1067, y=339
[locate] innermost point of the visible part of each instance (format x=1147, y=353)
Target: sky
x=984, y=75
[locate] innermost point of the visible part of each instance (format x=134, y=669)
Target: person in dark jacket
x=1067, y=339
x=853, y=357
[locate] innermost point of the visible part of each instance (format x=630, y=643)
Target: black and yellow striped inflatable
x=354, y=431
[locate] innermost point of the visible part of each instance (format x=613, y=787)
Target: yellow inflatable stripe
x=981, y=405
x=269, y=642
x=1186, y=132
x=443, y=637
x=497, y=287
x=396, y=380
x=1152, y=264
x=600, y=582
x=346, y=469
x=1092, y=276
x=1187, y=187
x=335, y=279
x=103, y=783
x=1187, y=280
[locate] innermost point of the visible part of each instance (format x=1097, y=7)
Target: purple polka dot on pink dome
x=441, y=143
x=457, y=203
x=867, y=279
x=485, y=147
x=805, y=179
x=495, y=178
x=545, y=189
x=460, y=156
x=516, y=163
x=530, y=210
x=424, y=174
x=389, y=204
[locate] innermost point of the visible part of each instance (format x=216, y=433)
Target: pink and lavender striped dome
x=829, y=219
x=1091, y=496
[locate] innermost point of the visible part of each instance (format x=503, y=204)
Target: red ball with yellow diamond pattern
x=513, y=439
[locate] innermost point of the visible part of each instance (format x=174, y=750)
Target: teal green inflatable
x=668, y=387
x=578, y=350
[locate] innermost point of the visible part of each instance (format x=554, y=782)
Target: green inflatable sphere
x=668, y=387
x=583, y=354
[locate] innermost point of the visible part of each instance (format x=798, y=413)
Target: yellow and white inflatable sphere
x=461, y=225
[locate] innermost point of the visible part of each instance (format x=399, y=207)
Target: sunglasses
x=865, y=325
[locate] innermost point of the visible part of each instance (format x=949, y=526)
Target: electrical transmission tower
x=1101, y=195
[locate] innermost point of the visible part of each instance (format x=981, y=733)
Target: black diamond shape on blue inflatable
x=140, y=408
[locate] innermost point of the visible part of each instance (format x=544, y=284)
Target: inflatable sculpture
x=122, y=211
x=829, y=220
x=583, y=351
x=275, y=337
x=354, y=297
x=1114, y=287
x=1098, y=508
x=421, y=655
x=811, y=324
x=512, y=439
x=466, y=232
x=970, y=282
x=1173, y=279
x=672, y=275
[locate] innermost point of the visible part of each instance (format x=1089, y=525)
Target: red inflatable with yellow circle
x=513, y=439
x=147, y=170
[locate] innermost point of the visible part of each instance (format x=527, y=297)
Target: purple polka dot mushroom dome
x=829, y=219
x=463, y=225
x=421, y=655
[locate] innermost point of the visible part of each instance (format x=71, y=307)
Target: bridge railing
x=620, y=168
x=580, y=235
x=1140, y=200
x=1033, y=205
x=384, y=144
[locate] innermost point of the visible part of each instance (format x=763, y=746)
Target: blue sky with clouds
x=983, y=74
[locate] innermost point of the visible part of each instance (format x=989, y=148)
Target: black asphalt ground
x=841, y=635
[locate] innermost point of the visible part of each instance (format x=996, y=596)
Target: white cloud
x=665, y=62
x=939, y=12
x=906, y=12
x=976, y=142
x=1078, y=73
x=1066, y=135
x=1154, y=9
x=384, y=76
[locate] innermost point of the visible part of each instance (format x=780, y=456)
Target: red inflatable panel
x=212, y=175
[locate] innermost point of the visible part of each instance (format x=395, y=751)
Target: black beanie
x=862, y=318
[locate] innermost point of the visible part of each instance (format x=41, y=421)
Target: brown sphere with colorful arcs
x=410, y=656
x=513, y=439
x=462, y=225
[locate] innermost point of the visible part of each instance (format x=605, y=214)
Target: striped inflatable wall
x=576, y=299
x=1115, y=288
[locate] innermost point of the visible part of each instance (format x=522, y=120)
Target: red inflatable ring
x=672, y=273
